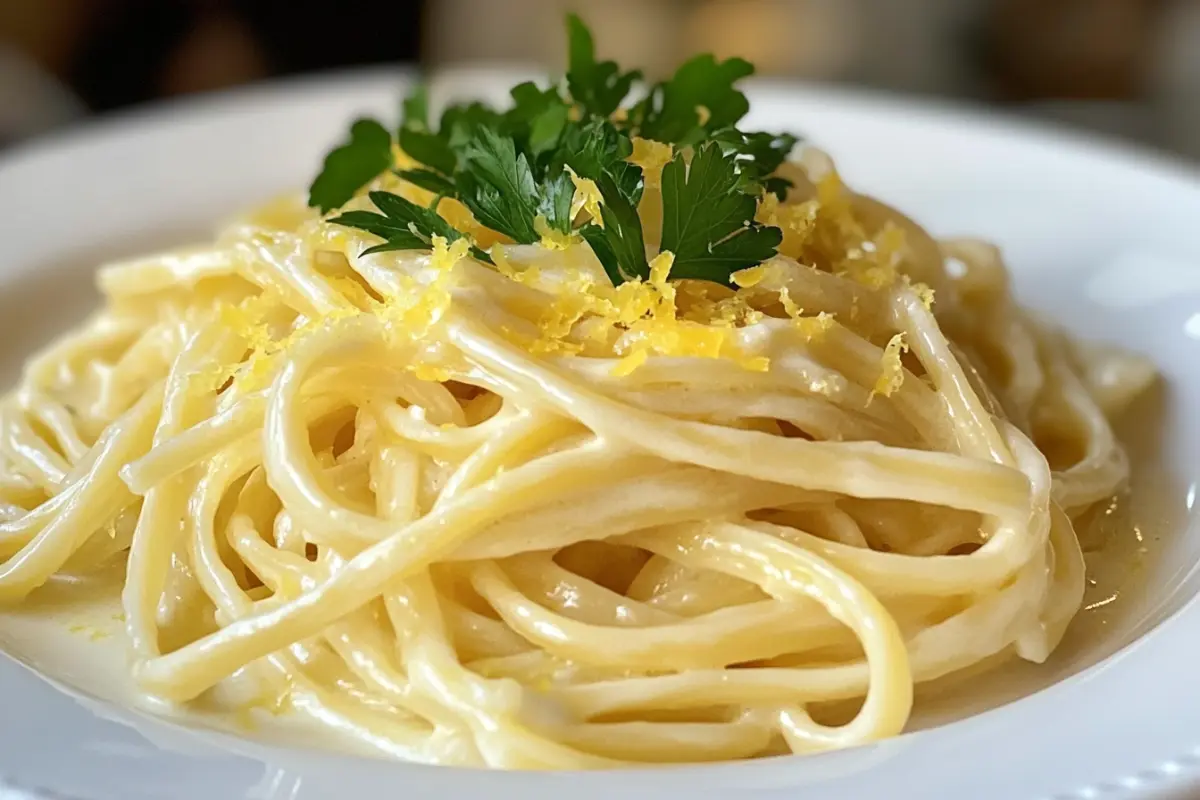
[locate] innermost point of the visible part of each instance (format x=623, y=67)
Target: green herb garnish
x=595, y=149
x=619, y=245
x=403, y=225
x=352, y=166
x=498, y=186
x=537, y=118
x=708, y=221
x=758, y=155
x=513, y=169
x=700, y=98
x=597, y=88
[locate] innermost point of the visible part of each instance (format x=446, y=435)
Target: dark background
x=1129, y=67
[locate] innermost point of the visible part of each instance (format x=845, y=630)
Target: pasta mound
x=509, y=514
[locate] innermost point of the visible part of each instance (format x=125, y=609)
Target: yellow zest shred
x=767, y=211
x=789, y=305
x=923, y=292
x=527, y=276
x=809, y=327
x=891, y=374
x=814, y=327
x=837, y=237
x=587, y=198
x=647, y=313
x=660, y=271
x=651, y=156
x=729, y=312
x=247, y=320
x=417, y=308
x=410, y=313
x=551, y=239
x=751, y=276
x=876, y=264
x=796, y=220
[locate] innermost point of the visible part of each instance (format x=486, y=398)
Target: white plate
x=1103, y=238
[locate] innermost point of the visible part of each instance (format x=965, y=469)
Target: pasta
x=512, y=515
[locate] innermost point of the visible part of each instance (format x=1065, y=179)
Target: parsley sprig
x=352, y=165
x=708, y=221
x=403, y=225
x=597, y=88
x=516, y=170
x=498, y=185
x=699, y=99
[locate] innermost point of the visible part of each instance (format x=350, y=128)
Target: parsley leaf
x=461, y=123
x=597, y=147
x=592, y=146
x=555, y=201
x=430, y=180
x=708, y=221
x=597, y=87
x=671, y=112
x=396, y=232
x=598, y=239
x=758, y=155
x=498, y=186
x=429, y=149
x=537, y=118
x=425, y=146
x=619, y=245
x=403, y=225
x=352, y=166
x=415, y=109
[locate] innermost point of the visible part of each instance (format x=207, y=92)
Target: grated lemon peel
x=651, y=156
x=891, y=373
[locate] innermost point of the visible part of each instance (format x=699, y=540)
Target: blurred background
x=1130, y=68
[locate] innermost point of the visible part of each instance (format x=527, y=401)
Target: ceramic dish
x=1101, y=238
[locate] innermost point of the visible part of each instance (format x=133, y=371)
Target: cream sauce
x=72, y=634
x=1123, y=597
